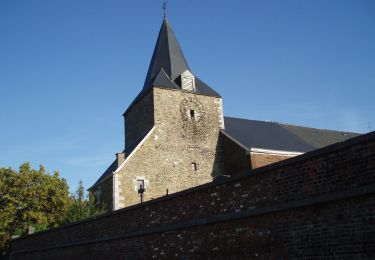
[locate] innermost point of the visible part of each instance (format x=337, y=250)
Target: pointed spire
x=167, y=65
x=167, y=56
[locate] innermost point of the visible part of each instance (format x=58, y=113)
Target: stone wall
x=139, y=120
x=106, y=193
x=317, y=205
x=180, y=152
x=236, y=158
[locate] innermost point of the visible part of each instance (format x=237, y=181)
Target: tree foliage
x=82, y=206
x=30, y=198
x=34, y=199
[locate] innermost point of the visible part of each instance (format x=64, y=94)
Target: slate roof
x=106, y=173
x=167, y=55
x=281, y=137
x=113, y=167
x=167, y=64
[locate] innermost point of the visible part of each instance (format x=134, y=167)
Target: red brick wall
x=259, y=160
x=318, y=205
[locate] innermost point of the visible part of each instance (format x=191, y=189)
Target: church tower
x=171, y=132
x=175, y=137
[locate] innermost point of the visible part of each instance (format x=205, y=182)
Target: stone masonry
x=179, y=152
x=175, y=137
x=139, y=120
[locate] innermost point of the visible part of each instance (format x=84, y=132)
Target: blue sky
x=69, y=69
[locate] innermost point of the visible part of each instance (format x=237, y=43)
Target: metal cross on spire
x=165, y=2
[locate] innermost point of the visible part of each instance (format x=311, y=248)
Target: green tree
x=30, y=198
x=82, y=207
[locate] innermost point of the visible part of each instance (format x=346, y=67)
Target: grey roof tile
x=108, y=172
x=167, y=64
x=203, y=88
x=283, y=137
x=113, y=167
x=163, y=80
x=167, y=55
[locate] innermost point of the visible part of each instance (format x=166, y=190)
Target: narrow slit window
x=192, y=114
x=194, y=166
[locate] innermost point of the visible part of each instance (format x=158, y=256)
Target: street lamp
x=141, y=190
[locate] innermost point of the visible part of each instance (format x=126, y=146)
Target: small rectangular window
x=140, y=184
x=192, y=114
x=194, y=166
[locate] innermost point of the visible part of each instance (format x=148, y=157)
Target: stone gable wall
x=106, y=193
x=317, y=205
x=139, y=119
x=165, y=159
x=236, y=158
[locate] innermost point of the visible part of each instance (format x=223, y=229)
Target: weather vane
x=165, y=2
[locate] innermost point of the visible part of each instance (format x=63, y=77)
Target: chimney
x=120, y=158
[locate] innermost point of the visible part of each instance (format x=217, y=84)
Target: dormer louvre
x=187, y=81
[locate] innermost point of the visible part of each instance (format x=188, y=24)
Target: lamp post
x=141, y=190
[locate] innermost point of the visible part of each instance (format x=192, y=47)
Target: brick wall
x=317, y=205
x=261, y=159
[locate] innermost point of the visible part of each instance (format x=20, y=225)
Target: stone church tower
x=171, y=133
x=175, y=137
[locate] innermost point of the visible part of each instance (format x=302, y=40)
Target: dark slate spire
x=167, y=56
x=167, y=65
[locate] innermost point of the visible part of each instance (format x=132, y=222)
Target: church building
x=176, y=135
